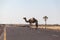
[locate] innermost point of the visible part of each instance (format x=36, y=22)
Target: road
x=2, y=36
x=24, y=33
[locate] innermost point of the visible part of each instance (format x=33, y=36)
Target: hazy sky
x=13, y=11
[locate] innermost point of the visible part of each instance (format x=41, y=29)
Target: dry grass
x=49, y=27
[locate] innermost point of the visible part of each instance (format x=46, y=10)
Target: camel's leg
x=30, y=26
x=36, y=25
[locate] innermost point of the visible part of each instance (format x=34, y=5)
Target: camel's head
x=24, y=17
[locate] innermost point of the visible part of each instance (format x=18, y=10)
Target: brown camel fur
x=32, y=20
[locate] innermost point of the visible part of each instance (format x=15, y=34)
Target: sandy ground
x=24, y=33
x=48, y=27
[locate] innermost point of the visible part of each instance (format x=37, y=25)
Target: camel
x=32, y=20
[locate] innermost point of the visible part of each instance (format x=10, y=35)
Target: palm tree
x=45, y=19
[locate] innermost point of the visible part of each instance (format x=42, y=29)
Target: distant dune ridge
x=28, y=24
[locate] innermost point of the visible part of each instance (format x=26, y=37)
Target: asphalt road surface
x=24, y=33
x=2, y=36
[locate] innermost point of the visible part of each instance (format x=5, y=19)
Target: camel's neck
x=26, y=20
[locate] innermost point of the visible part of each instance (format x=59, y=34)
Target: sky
x=13, y=11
